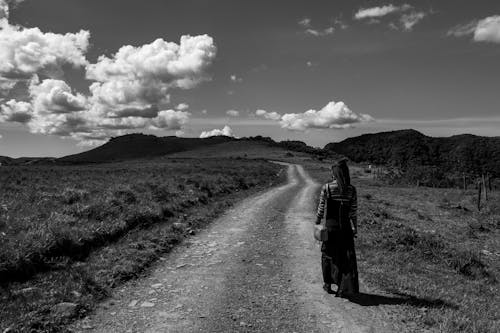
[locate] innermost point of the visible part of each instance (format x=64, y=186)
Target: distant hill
x=4, y=160
x=134, y=146
x=407, y=148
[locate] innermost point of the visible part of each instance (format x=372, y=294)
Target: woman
x=338, y=259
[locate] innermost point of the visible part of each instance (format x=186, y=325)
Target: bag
x=320, y=233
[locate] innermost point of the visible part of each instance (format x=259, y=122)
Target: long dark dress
x=338, y=257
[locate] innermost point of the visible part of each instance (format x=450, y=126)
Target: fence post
x=464, y=181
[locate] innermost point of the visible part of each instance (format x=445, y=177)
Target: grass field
x=69, y=233
x=433, y=248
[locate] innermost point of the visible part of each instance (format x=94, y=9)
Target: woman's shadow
x=364, y=299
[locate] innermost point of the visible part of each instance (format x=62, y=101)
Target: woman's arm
x=353, y=211
x=321, y=206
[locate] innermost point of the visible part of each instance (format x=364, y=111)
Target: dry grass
x=68, y=234
x=431, y=244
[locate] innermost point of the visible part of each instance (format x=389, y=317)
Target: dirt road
x=255, y=269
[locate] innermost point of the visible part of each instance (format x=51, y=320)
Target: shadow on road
x=374, y=300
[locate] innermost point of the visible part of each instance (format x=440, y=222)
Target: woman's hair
x=340, y=171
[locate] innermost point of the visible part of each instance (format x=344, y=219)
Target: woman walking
x=338, y=259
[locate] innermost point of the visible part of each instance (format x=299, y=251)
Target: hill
x=5, y=160
x=408, y=148
x=134, y=146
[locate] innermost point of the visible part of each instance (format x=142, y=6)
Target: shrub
x=70, y=196
x=469, y=263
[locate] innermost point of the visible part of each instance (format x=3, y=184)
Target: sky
x=74, y=73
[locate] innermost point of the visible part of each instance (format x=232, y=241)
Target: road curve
x=255, y=269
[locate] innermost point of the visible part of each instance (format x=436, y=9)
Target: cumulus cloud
x=226, y=131
x=142, y=76
x=130, y=89
x=55, y=96
x=180, y=133
x=25, y=52
x=182, y=106
x=233, y=113
x=16, y=111
x=333, y=115
x=6, y=85
x=485, y=30
x=377, y=12
x=170, y=119
x=268, y=115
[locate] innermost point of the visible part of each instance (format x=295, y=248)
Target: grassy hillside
x=408, y=148
x=69, y=233
x=431, y=251
x=242, y=149
x=134, y=146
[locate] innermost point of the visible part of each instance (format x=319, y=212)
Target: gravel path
x=255, y=269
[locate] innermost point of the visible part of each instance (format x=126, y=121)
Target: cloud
x=463, y=30
x=4, y=7
x=333, y=115
x=268, y=115
x=408, y=21
x=305, y=22
x=171, y=120
x=25, y=52
x=127, y=95
x=226, y=131
x=55, y=96
x=235, y=78
x=130, y=89
x=233, y=113
x=142, y=76
x=6, y=85
x=320, y=33
x=485, y=30
x=182, y=106
x=17, y=112
x=310, y=30
x=147, y=112
x=376, y=12
x=408, y=17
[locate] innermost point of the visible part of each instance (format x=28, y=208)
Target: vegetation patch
x=442, y=260
x=70, y=233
